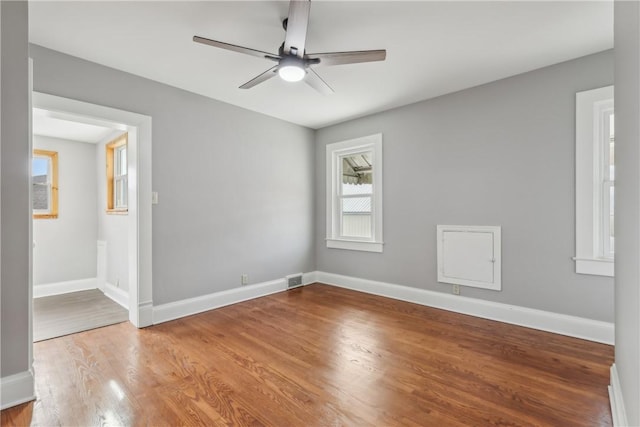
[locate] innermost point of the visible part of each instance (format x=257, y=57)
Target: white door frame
x=139, y=169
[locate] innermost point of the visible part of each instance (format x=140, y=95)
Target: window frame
x=52, y=183
x=111, y=149
x=593, y=111
x=335, y=152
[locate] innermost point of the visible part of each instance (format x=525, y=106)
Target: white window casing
x=354, y=217
x=594, y=181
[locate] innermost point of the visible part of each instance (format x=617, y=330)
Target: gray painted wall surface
x=65, y=247
x=235, y=187
x=15, y=211
x=112, y=229
x=497, y=154
x=627, y=298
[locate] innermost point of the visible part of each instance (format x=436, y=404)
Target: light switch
x=154, y=197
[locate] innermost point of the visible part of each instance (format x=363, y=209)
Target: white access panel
x=469, y=256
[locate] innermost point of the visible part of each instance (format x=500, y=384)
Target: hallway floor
x=60, y=315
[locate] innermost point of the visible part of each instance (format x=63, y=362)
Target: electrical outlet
x=244, y=279
x=456, y=289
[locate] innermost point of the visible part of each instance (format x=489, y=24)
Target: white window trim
x=334, y=152
x=591, y=108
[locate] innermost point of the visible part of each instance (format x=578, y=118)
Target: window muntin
x=117, y=175
x=44, y=184
x=354, y=194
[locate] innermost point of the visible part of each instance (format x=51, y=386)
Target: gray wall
x=112, y=229
x=15, y=208
x=497, y=154
x=235, y=187
x=627, y=96
x=65, y=247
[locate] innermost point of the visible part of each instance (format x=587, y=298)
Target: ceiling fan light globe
x=291, y=73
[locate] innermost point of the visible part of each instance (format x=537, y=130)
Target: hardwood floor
x=319, y=356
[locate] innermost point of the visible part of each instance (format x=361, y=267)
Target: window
x=44, y=182
x=608, y=188
x=595, y=179
x=117, y=177
x=354, y=194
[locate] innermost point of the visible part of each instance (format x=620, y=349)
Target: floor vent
x=294, y=281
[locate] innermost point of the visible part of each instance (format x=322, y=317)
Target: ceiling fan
x=293, y=63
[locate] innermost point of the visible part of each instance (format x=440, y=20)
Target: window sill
x=595, y=266
x=354, y=245
x=117, y=211
x=45, y=216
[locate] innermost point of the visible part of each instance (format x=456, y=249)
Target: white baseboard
x=617, y=402
x=174, y=310
x=116, y=294
x=64, y=287
x=16, y=389
x=309, y=278
x=592, y=330
x=145, y=314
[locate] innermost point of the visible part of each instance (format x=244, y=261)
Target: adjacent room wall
x=113, y=229
x=65, y=247
x=627, y=99
x=15, y=345
x=235, y=187
x=497, y=154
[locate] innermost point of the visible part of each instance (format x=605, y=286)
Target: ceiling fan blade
x=353, y=57
x=271, y=72
x=315, y=81
x=297, y=23
x=234, y=48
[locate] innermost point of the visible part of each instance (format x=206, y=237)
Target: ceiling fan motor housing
x=291, y=68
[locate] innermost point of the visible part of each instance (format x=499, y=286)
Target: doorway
x=137, y=239
x=80, y=262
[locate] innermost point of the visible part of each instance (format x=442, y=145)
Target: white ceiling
x=47, y=123
x=433, y=48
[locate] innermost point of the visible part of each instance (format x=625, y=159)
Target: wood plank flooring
x=319, y=356
x=59, y=315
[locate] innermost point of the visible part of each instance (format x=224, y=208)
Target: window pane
x=611, y=216
x=612, y=127
x=357, y=174
x=612, y=158
x=40, y=166
x=355, y=189
x=612, y=166
x=121, y=161
x=120, y=194
x=356, y=217
x=40, y=182
x=611, y=200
